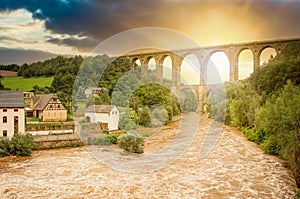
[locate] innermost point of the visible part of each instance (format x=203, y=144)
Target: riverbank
x=235, y=168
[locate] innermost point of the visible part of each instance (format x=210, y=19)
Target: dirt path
x=234, y=168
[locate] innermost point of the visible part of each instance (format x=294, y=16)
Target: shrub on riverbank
x=105, y=140
x=19, y=145
x=131, y=142
x=4, y=147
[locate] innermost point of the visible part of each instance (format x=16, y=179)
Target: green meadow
x=25, y=84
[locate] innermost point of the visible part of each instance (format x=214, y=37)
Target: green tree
x=103, y=97
x=144, y=118
x=1, y=85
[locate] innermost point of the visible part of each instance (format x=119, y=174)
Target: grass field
x=25, y=84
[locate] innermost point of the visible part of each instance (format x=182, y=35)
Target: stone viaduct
x=203, y=54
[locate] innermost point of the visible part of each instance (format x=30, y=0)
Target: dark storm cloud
x=100, y=19
x=14, y=40
x=95, y=19
x=21, y=56
x=84, y=45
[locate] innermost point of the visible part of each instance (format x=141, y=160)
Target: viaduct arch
x=232, y=51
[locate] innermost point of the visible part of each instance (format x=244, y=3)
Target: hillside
x=25, y=84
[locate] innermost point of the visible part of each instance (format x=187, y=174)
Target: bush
x=126, y=123
x=4, y=147
x=145, y=117
x=102, y=140
x=254, y=135
x=21, y=145
x=250, y=134
x=131, y=142
x=113, y=138
x=270, y=145
x=159, y=117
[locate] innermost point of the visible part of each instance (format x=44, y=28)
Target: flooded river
x=228, y=167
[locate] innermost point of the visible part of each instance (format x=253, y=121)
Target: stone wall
x=56, y=141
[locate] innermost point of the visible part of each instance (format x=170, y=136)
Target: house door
x=88, y=119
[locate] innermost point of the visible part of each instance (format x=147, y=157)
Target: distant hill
x=6, y=73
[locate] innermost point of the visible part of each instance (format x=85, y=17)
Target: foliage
x=244, y=106
x=101, y=140
x=48, y=67
x=270, y=145
x=131, y=142
x=285, y=66
x=10, y=67
x=145, y=116
x=188, y=100
x=113, y=73
x=126, y=123
x=113, y=138
x=4, y=147
x=159, y=116
x=217, y=104
x=266, y=106
x=1, y=85
x=21, y=145
x=158, y=103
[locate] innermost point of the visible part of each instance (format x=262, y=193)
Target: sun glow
x=218, y=68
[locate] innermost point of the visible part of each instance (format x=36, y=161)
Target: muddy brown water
x=232, y=168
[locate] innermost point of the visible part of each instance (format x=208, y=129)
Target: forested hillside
x=266, y=107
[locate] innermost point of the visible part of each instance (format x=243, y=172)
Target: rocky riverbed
x=211, y=165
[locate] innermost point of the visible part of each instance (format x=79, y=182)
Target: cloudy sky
x=37, y=29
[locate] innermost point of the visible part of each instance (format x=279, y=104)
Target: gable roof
x=40, y=101
x=11, y=99
x=99, y=108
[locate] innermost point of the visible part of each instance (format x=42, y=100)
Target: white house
x=12, y=113
x=106, y=115
x=93, y=91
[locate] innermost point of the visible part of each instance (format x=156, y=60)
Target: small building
x=93, y=91
x=27, y=103
x=48, y=108
x=106, y=115
x=12, y=114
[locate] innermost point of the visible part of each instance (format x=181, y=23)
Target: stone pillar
x=203, y=70
x=159, y=68
x=176, y=68
x=144, y=66
x=256, y=60
x=234, y=72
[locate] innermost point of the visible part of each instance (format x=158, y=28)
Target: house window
x=54, y=99
x=16, y=124
x=15, y=110
x=4, y=110
x=4, y=119
x=4, y=133
x=58, y=106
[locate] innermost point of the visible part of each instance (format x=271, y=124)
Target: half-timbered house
x=48, y=108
